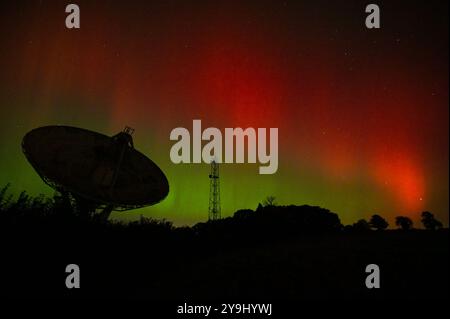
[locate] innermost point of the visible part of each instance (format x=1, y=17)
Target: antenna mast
x=214, y=192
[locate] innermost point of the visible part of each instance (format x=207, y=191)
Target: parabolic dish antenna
x=98, y=169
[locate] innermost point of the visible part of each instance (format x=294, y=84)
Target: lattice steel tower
x=214, y=192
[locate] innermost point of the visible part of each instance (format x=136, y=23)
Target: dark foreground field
x=272, y=253
x=178, y=264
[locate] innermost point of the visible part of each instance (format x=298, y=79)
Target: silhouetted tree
x=4, y=199
x=378, y=222
x=429, y=222
x=403, y=222
x=361, y=225
x=269, y=201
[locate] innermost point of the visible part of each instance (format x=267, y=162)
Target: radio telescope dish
x=105, y=171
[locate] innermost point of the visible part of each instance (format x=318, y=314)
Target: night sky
x=362, y=114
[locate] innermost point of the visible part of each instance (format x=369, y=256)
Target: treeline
x=377, y=222
x=268, y=220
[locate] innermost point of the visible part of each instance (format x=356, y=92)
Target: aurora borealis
x=362, y=114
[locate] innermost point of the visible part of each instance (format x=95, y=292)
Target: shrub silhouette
x=361, y=225
x=430, y=222
x=269, y=201
x=403, y=222
x=378, y=222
